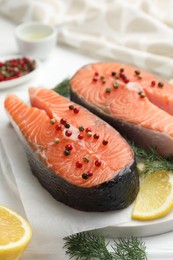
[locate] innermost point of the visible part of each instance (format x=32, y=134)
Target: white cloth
x=138, y=32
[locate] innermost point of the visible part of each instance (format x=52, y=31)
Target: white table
x=63, y=62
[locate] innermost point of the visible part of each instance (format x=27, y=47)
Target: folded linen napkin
x=138, y=32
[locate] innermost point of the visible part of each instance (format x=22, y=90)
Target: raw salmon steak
x=138, y=104
x=81, y=160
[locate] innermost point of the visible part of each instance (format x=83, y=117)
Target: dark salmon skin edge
x=115, y=194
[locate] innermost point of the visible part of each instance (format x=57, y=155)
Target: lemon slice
x=155, y=197
x=15, y=234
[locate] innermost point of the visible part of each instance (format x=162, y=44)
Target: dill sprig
x=63, y=88
x=152, y=160
x=87, y=246
x=132, y=248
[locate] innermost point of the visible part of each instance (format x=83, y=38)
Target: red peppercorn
x=96, y=73
x=121, y=74
x=68, y=133
x=76, y=110
x=63, y=121
x=68, y=147
x=58, y=127
x=153, y=83
x=88, y=130
x=126, y=80
x=78, y=164
x=90, y=173
x=98, y=163
x=96, y=136
x=95, y=79
x=1, y=77
x=80, y=137
x=105, y=142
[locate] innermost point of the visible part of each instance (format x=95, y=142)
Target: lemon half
x=155, y=197
x=15, y=234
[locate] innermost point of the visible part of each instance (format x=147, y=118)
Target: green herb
x=87, y=246
x=152, y=160
x=63, y=88
x=129, y=249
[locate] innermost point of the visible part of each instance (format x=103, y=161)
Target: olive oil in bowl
x=35, y=36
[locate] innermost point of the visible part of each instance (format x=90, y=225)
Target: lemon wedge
x=15, y=234
x=155, y=197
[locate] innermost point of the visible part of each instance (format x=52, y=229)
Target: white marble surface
x=63, y=62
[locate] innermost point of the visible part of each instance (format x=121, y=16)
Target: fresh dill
x=128, y=249
x=152, y=160
x=63, y=88
x=87, y=246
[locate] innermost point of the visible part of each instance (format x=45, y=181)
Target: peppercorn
x=160, y=84
x=58, y=127
x=90, y=173
x=105, y=142
x=56, y=140
x=71, y=107
x=108, y=90
x=85, y=159
x=98, y=163
x=68, y=133
x=113, y=73
x=126, y=80
x=78, y=164
x=89, y=134
x=142, y=94
x=13, y=68
x=88, y=130
x=80, y=137
x=137, y=72
x=76, y=110
x=85, y=176
x=66, y=152
x=67, y=125
x=81, y=128
x=52, y=121
x=115, y=84
x=96, y=136
x=68, y=147
x=153, y=83
x=63, y=121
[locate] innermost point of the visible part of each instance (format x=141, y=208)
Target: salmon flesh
x=81, y=160
x=136, y=103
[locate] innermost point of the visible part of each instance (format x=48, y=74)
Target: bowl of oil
x=36, y=39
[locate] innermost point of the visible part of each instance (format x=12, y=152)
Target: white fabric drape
x=138, y=32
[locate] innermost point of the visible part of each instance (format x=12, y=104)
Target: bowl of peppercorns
x=16, y=70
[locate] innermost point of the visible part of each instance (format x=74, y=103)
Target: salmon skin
x=81, y=160
x=138, y=104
